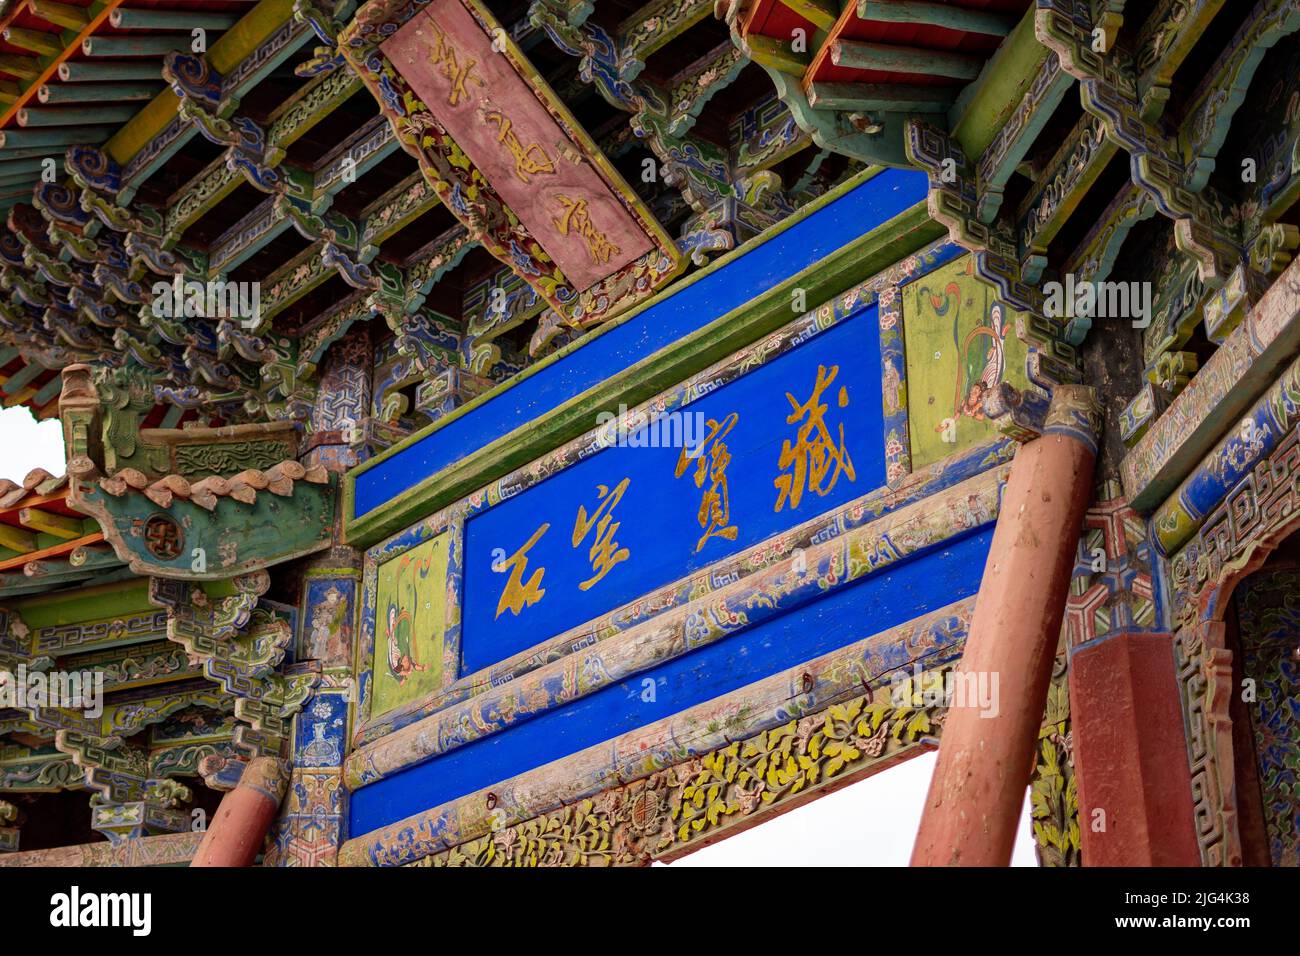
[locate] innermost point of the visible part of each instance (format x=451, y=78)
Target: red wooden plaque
x=494, y=115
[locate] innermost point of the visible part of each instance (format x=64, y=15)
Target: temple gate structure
x=572, y=432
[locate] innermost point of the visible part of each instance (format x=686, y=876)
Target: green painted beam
x=87, y=604
x=31, y=165
x=59, y=93
x=73, y=115
x=18, y=381
x=936, y=15
x=171, y=20
x=653, y=26
x=880, y=96
x=62, y=14
x=54, y=136
x=82, y=72
x=42, y=44
x=905, y=59
x=135, y=46
x=27, y=152
x=23, y=67
x=9, y=91
x=17, y=179
x=984, y=107
x=48, y=391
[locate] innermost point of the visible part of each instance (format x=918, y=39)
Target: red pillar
x=1130, y=753
x=237, y=831
x=986, y=755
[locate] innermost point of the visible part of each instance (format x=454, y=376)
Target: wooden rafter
x=50, y=69
x=61, y=526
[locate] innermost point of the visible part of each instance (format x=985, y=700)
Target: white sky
x=871, y=823
x=26, y=444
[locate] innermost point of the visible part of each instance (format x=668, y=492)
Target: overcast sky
x=870, y=823
x=26, y=444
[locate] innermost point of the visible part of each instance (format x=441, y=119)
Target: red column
x=235, y=835
x=1130, y=753
x=986, y=754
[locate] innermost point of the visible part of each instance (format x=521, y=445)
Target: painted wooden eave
x=44, y=541
x=251, y=521
x=71, y=43
x=227, y=52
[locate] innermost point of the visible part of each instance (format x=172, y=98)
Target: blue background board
x=657, y=514
x=891, y=596
x=692, y=307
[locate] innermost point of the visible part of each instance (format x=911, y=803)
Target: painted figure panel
x=961, y=344
x=411, y=605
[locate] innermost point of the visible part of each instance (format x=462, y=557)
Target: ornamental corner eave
x=196, y=503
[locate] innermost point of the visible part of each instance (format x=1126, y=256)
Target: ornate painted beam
x=174, y=849
x=242, y=646
x=653, y=26
x=1108, y=87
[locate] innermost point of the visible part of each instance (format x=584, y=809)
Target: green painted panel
x=960, y=342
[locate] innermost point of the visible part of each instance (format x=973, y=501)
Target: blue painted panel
x=872, y=604
x=655, y=522
x=694, y=306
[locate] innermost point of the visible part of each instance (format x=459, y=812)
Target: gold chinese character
x=529, y=160
x=518, y=595
x=576, y=218
x=443, y=55
x=715, y=507
x=604, y=552
x=814, y=452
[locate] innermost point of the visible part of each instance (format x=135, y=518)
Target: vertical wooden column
x=987, y=753
x=236, y=833
x=1130, y=753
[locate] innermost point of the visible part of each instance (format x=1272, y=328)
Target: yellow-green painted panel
x=960, y=342
x=412, y=625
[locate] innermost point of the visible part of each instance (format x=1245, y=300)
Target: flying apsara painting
x=411, y=624
x=961, y=343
